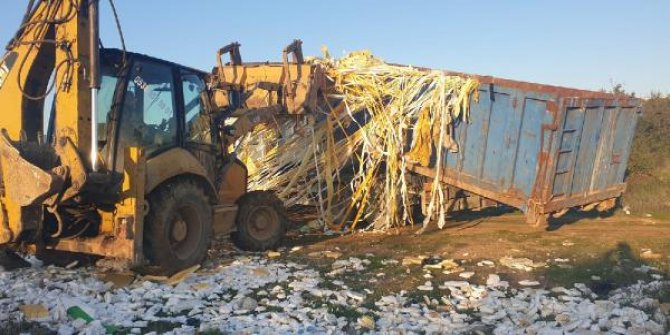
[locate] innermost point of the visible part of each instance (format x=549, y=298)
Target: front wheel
x=261, y=221
x=178, y=227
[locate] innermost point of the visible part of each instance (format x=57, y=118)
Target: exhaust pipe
x=94, y=55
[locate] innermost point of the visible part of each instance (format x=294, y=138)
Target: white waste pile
x=257, y=295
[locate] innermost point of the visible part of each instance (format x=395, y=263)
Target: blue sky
x=583, y=44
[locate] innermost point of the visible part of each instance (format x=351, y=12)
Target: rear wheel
x=178, y=227
x=261, y=221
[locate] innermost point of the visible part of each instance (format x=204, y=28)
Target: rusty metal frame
x=467, y=183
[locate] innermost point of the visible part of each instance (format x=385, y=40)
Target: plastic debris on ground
x=521, y=263
x=254, y=294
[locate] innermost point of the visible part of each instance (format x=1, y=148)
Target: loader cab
x=153, y=104
x=161, y=107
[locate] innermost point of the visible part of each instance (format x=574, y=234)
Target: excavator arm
x=57, y=39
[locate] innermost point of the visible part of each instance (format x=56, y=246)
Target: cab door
x=148, y=117
x=199, y=131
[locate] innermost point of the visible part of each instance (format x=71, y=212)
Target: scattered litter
x=521, y=263
x=427, y=286
x=644, y=268
x=444, y=264
x=561, y=260
x=356, y=296
x=366, y=322
x=34, y=311
x=273, y=254
x=261, y=272
x=200, y=286
x=466, y=275
x=568, y=243
x=181, y=275
x=84, y=315
x=118, y=280
x=296, y=248
x=493, y=280
x=333, y=254
x=34, y=261
x=315, y=254
x=529, y=283
x=250, y=294
x=247, y=304
x=72, y=265
x=413, y=260
x=325, y=253
x=665, y=308
x=648, y=254
x=453, y=270
x=486, y=263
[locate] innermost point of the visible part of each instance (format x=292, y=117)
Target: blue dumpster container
x=542, y=149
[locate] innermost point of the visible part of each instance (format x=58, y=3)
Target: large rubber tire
x=178, y=228
x=261, y=221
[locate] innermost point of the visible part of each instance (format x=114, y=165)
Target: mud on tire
x=261, y=221
x=178, y=228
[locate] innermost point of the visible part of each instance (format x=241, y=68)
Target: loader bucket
x=24, y=183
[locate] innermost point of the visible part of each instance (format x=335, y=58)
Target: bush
x=649, y=165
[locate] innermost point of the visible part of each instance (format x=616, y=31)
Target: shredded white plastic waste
x=288, y=298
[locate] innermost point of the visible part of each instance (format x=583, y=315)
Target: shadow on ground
x=607, y=271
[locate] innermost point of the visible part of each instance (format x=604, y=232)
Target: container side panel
x=604, y=156
x=454, y=160
x=569, y=145
x=502, y=141
x=593, y=124
x=535, y=114
x=625, y=128
x=475, y=138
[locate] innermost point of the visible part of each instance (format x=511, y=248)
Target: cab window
x=105, y=100
x=196, y=120
x=148, y=112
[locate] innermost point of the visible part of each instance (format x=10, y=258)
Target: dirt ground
x=575, y=248
x=603, y=252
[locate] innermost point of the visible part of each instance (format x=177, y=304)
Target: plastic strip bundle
x=352, y=160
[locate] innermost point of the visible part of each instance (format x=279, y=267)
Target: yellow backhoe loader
x=138, y=159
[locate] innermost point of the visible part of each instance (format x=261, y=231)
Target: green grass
x=348, y=312
x=648, y=195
